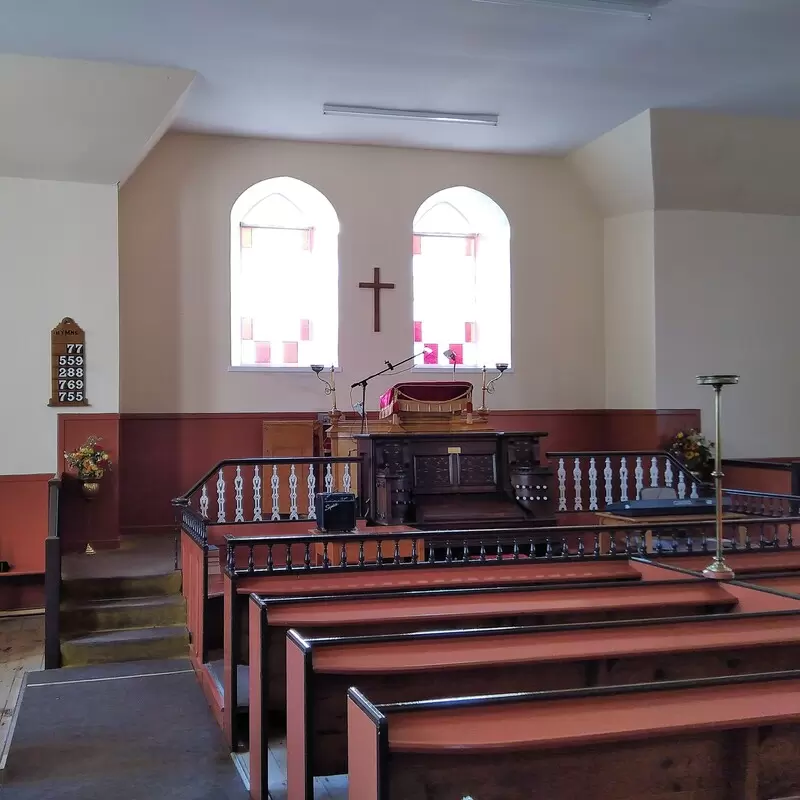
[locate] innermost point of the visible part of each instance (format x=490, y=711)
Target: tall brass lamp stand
x=718, y=569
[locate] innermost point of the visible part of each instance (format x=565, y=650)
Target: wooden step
x=122, y=612
x=77, y=589
x=132, y=644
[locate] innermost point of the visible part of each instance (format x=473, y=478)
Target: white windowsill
x=462, y=370
x=292, y=370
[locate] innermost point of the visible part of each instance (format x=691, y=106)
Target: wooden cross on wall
x=376, y=287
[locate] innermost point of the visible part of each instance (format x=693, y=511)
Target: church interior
x=398, y=402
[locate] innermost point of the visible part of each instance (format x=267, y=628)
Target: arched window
x=284, y=277
x=462, y=279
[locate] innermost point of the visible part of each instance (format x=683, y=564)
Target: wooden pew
x=785, y=582
x=708, y=739
x=422, y=665
x=352, y=581
x=271, y=618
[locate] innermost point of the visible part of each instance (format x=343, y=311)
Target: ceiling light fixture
x=642, y=8
x=331, y=109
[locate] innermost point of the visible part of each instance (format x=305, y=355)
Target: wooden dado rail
x=706, y=738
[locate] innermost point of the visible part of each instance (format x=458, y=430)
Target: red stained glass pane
x=470, y=332
x=417, y=331
x=416, y=245
x=433, y=356
x=305, y=330
x=458, y=349
x=247, y=328
x=263, y=353
x=290, y=352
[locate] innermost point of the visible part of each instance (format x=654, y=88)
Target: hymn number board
x=68, y=364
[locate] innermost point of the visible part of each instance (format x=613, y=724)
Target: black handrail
x=52, y=578
x=184, y=499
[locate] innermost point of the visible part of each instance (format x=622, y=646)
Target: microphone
x=451, y=356
x=427, y=351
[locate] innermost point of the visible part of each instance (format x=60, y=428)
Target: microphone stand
x=363, y=384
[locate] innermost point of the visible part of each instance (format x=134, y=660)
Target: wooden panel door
x=290, y=439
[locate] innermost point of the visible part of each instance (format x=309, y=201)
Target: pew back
x=418, y=666
x=708, y=739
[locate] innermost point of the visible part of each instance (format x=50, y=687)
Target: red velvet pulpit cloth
x=430, y=396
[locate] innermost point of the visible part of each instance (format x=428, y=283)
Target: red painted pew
x=422, y=665
x=704, y=739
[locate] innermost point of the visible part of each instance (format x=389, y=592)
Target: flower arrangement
x=693, y=450
x=90, y=461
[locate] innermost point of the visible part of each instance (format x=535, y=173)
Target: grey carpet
x=126, y=738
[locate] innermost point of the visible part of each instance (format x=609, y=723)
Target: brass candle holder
x=330, y=386
x=488, y=388
x=718, y=569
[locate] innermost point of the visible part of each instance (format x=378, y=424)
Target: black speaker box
x=336, y=512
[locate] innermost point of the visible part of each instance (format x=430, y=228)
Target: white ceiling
x=557, y=78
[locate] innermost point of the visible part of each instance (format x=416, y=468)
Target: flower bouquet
x=90, y=462
x=695, y=452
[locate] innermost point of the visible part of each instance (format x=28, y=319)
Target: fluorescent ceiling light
x=638, y=7
x=331, y=109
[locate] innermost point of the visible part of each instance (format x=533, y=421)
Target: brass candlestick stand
x=330, y=386
x=488, y=388
x=718, y=568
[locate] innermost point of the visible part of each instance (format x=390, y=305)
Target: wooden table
x=674, y=519
x=353, y=549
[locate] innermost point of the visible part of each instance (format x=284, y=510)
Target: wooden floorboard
x=21, y=651
x=333, y=787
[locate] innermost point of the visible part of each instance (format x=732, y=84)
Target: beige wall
x=175, y=253
x=630, y=311
x=726, y=301
x=58, y=258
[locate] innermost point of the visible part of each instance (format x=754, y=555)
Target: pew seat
x=418, y=666
x=707, y=739
x=459, y=608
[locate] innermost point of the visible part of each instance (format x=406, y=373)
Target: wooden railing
x=358, y=552
x=246, y=492
x=250, y=490
x=591, y=481
x=52, y=579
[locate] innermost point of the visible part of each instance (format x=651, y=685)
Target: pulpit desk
x=455, y=480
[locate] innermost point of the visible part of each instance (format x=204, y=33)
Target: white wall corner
x=714, y=162
x=617, y=168
x=629, y=295
x=83, y=121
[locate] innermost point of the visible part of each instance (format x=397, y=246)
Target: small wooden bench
x=418, y=666
x=706, y=739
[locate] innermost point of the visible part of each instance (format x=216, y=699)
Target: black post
x=52, y=581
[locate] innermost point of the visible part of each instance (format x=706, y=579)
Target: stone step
x=77, y=589
x=132, y=644
x=123, y=612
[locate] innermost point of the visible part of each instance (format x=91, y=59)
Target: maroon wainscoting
x=23, y=529
x=96, y=521
x=164, y=454
x=766, y=476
